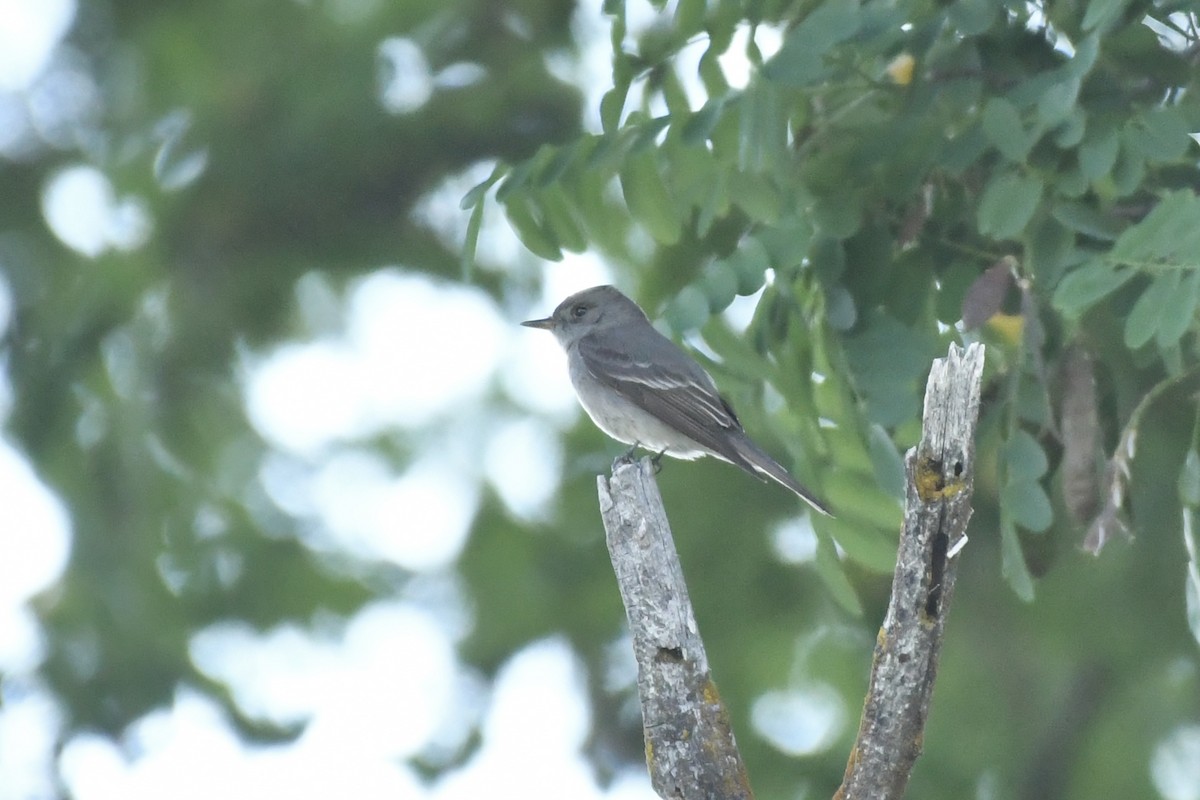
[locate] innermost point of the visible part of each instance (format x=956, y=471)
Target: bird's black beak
x=547, y=324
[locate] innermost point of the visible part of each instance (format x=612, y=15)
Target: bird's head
x=594, y=309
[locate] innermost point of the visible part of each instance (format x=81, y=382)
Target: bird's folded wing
x=683, y=399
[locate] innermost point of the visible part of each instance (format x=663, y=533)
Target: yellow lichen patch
x=929, y=480
x=710, y=693
x=931, y=484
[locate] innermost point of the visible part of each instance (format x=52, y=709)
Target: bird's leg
x=627, y=456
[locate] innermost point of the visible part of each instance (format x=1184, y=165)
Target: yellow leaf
x=901, y=69
x=1007, y=326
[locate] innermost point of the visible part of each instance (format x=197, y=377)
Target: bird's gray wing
x=668, y=384
x=671, y=387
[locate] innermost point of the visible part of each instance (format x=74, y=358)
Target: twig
x=941, y=474
x=690, y=748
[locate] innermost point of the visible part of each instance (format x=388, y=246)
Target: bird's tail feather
x=757, y=462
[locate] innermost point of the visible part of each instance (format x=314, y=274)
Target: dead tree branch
x=941, y=474
x=689, y=742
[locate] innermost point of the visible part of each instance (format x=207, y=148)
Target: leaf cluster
x=866, y=178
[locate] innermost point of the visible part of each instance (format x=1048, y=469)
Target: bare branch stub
x=690, y=749
x=941, y=471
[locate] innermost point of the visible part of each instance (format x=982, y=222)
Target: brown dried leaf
x=915, y=218
x=1108, y=522
x=1080, y=436
x=985, y=297
x=1104, y=528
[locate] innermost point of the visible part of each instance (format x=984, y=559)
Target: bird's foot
x=627, y=456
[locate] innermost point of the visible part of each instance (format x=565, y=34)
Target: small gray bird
x=641, y=389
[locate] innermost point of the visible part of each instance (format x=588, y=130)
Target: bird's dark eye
x=578, y=311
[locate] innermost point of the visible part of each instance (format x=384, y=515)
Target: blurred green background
x=817, y=196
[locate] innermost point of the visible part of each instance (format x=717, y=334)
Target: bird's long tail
x=758, y=463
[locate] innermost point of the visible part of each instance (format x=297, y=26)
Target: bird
x=643, y=390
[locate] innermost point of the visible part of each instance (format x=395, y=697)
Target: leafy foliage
x=891, y=170
x=875, y=196
x=890, y=167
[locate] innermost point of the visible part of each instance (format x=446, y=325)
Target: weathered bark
x=690, y=748
x=941, y=474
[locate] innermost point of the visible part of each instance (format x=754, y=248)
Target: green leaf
x=645, y=130
x=671, y=89
x=1008, y=204
x=1161, y=135
x=861, y=505
x=866, y=543
x=1071, y=183
x=1192, y=585
x=1086, y=220
x=605, y=223
x=1146, y=314
x=973, y=17
x=719, y=282
x=1024, y=458
x=559, y=218
x=1027, y=504
x=1057, y=102
x=763, y=139
x=1012, y=560
x=467, y=260
x=517, y=178
x=1128, y=173
x=887, y=461
x=711, y=73
x=689, y=17
x=558, y=163
x=1170, y=233
x=1101, y=14
x=693, y=171
x=757, y=195
x=1188, y=483
x=800, y=60
x=1098, y=153
x=536, y=238
x=736, y=351
x=1179, y=311
x=688, y=310
x=841, y=312
x=474, y=195
x=839, y=215
x=1086, y=285
x=1002, y=124
x=700, y=124
x=1049, y=249
x=830, y=568
x=964, y=150
x=786, y=243
x=887, y=358
x=647, y=198
x=716, y=202
x=828, y=258
x=611, y=106
x=1032, y=404
x=1070, y=131
x=750, y=262
x=1086, y=52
